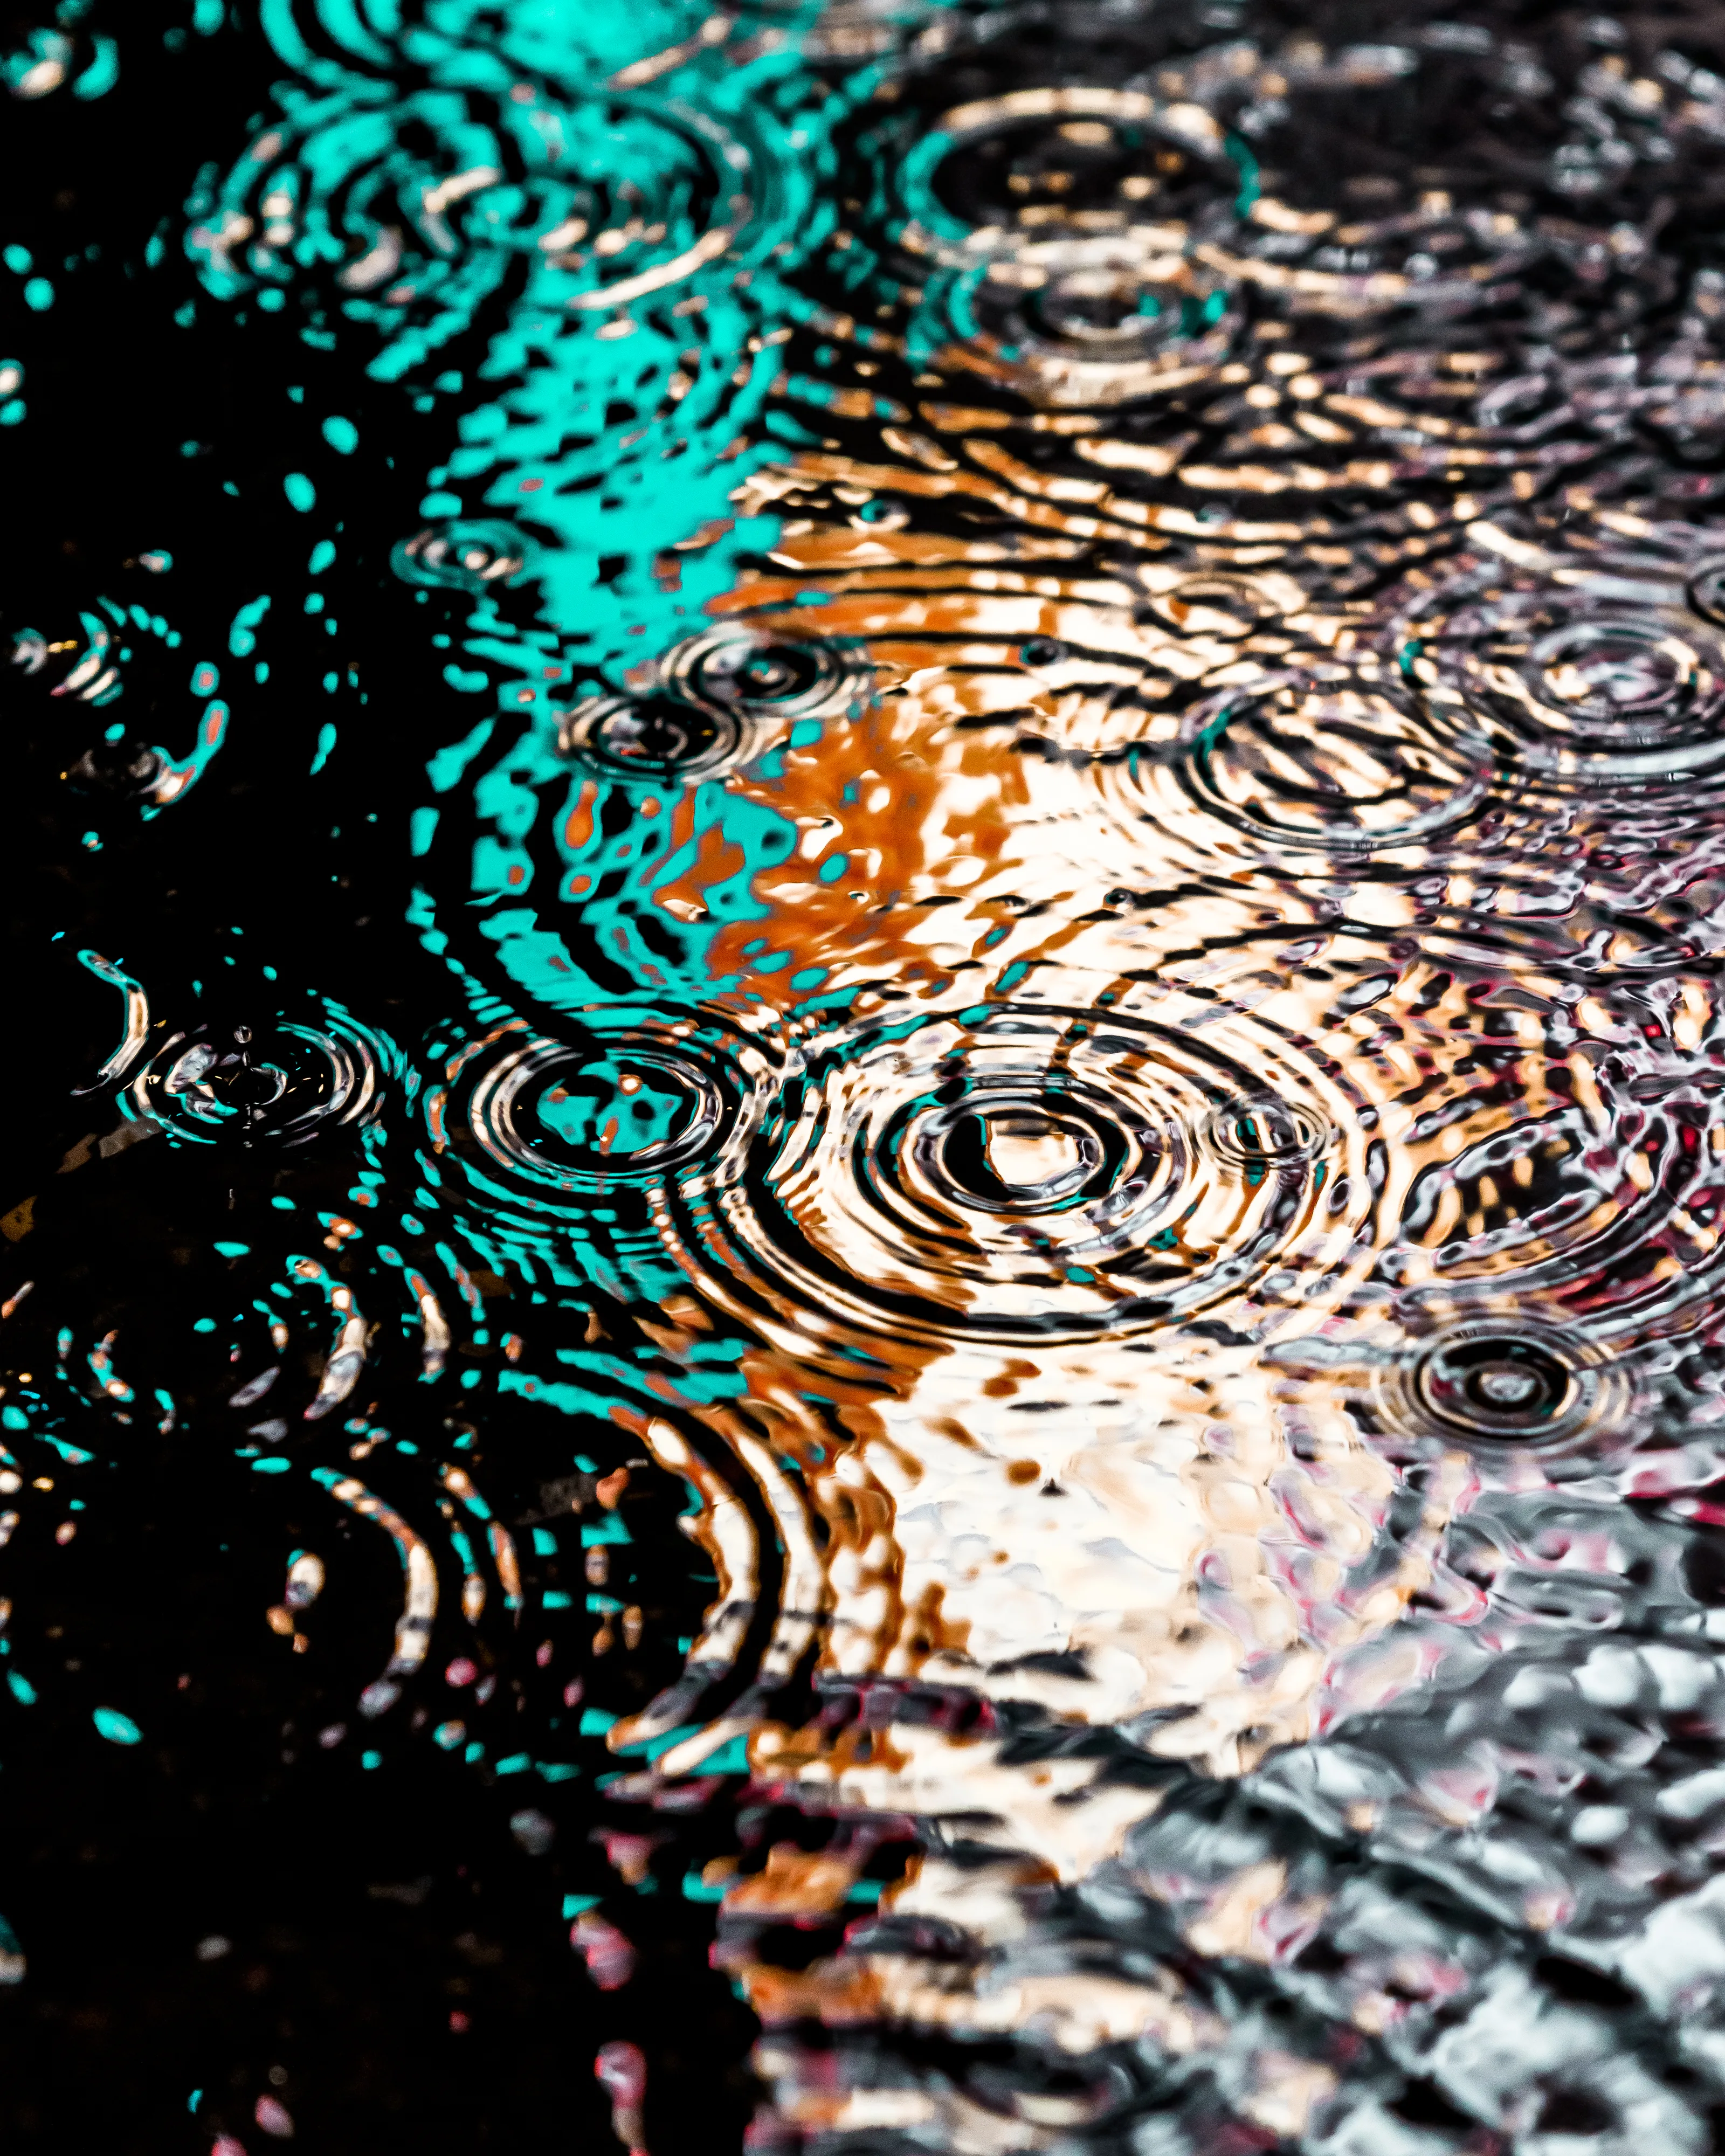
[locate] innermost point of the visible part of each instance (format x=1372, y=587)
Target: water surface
x=862, y=1253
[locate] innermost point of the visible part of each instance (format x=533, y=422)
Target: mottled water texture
x=863, y=1274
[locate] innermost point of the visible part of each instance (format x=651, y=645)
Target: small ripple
x=1064, y=218
x=1379, y=183
x=737, y=667
x=653, y=736
x=1590, y=673
x=1502, y=1380
x=1030, y=200
x=578, y=1144
x=722, y=698
x=117, y=652
x=1324, y=759
x=1351, y=763
x=283, y=1082
x=625, y=1110
x=411, y=212
x=468, y=554
x=1605, y=1199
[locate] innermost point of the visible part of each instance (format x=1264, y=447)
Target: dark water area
x=865, y=1143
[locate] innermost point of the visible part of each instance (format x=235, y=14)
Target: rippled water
x=864, y=1241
